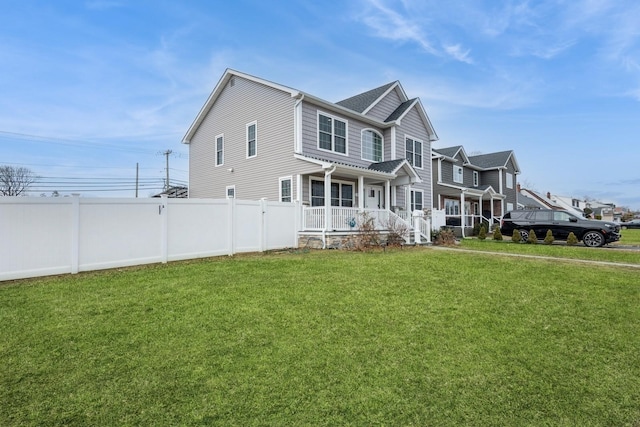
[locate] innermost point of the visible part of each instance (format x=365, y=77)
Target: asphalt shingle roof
x=400, y=110
x=449, y=151
x=491, y=160
x=389, y=166
x=363, y=100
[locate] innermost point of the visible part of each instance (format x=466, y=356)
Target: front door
x=373, y=197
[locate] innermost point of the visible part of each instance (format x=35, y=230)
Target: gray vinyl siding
x=386, y=105
x=354, y=137
x=412, y=125
x=511, y=193
x=491, y=178
x=244, y=102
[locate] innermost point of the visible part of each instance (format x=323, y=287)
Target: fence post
x=231, y=229
x=164, y=234
x=263, y=224
x=75, y=233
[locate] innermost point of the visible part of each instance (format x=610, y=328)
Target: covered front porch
x=337, y=197
x=468, y=207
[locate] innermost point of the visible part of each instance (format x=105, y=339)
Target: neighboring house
x=176, y=192
x=474, y=188
x=256, y=139
x=574, y=205
x=531, y=199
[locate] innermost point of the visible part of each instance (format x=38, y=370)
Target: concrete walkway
x=548, y=258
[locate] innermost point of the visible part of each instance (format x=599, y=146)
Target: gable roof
x=495, y=160
x=452, y=152
x=364, y=101
x=371, y=97
x=390, y=166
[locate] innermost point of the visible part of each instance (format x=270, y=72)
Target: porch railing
x=342, y=219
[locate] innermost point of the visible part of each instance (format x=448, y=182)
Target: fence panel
x=44, y=236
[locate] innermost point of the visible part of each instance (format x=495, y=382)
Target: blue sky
x=90, y=88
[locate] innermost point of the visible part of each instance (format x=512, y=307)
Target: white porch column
x=492, y=213
x=361, y=192
x=387, y=195
x=482, y=214
x=462, y=213
x=328, y=223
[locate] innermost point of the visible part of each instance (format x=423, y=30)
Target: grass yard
x=405, y=337
x=630, y=237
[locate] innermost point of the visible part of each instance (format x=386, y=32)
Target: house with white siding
x=473, y=189
x=256, y=139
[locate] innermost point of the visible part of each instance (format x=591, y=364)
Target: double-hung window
x=416, y=200
x=371, y=146
x=219, y=150
x=285, y=189
x=332, y=134
x=458, y=174
x=509, y=180
x=341, y=193
x=252, y=139
x=413, y=152
x=452, y=207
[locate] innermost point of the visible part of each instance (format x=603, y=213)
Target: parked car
x=634, y=223
x=591, y=232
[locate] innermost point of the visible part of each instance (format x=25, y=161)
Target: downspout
x=328, y=223
x=297, y=120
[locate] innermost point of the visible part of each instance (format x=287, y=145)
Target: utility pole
x=166, y=154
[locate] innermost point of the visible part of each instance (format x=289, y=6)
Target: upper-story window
x=252, y=139
x=371, y=146
x=458, y=174
x=219, y=150
x=509, y=180
x=413, y=152
x=332, y=134
x=476, y=179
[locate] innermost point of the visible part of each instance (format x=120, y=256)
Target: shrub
x=516, y=238
x=532, y=237
x=548, y=239
x=497, y=234
x=368, y=236
x=572, y=240
x=444, y=237
x=478, y=226
x=482, y=234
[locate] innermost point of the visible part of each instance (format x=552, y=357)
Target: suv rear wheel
x=524, y=234
x=593, y=239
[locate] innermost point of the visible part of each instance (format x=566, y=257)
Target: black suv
x=592, y=232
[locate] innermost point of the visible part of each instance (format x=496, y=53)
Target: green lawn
x=403, y=337
x=630, y=237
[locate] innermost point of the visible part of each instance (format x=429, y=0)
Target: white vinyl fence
x=45, y=236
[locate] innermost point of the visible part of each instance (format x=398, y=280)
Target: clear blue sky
x=90, y=88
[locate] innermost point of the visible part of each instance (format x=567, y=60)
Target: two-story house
x=471, y=189
x=255, y=139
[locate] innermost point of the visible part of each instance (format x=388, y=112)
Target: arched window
x=372, y=146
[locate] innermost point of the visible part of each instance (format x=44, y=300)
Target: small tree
x=532, y=237
x=572, y=240
x=516, y=237
x=497, y=234
x=15, y=181
x=482, y=234
x=548, y=239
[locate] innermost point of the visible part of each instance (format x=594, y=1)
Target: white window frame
x=458, y=174
x=412, y=160
x=333, y=181
x=255, y=139
x=280, y=194
x=333, y=133
x=412, y=206
x=509, y=180
x=221, y=136
x=362, y=145
x=230, y=194
x=509, y=207
x=476, y=178
x=452, y=207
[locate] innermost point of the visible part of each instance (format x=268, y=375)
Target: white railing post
x=417, y=217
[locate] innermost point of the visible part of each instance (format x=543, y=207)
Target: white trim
x=255, y=136
x=216, y=149
x=362, y=144
x=333, y=135
x=509, y=180
x=458, y=171
x=226, y=192
x=394, y=143
x=404, y=142
x=338, y=181
x=411, y=197
x=280, y=180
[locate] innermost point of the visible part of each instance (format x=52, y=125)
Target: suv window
x=561, y=216
x=541, y=215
